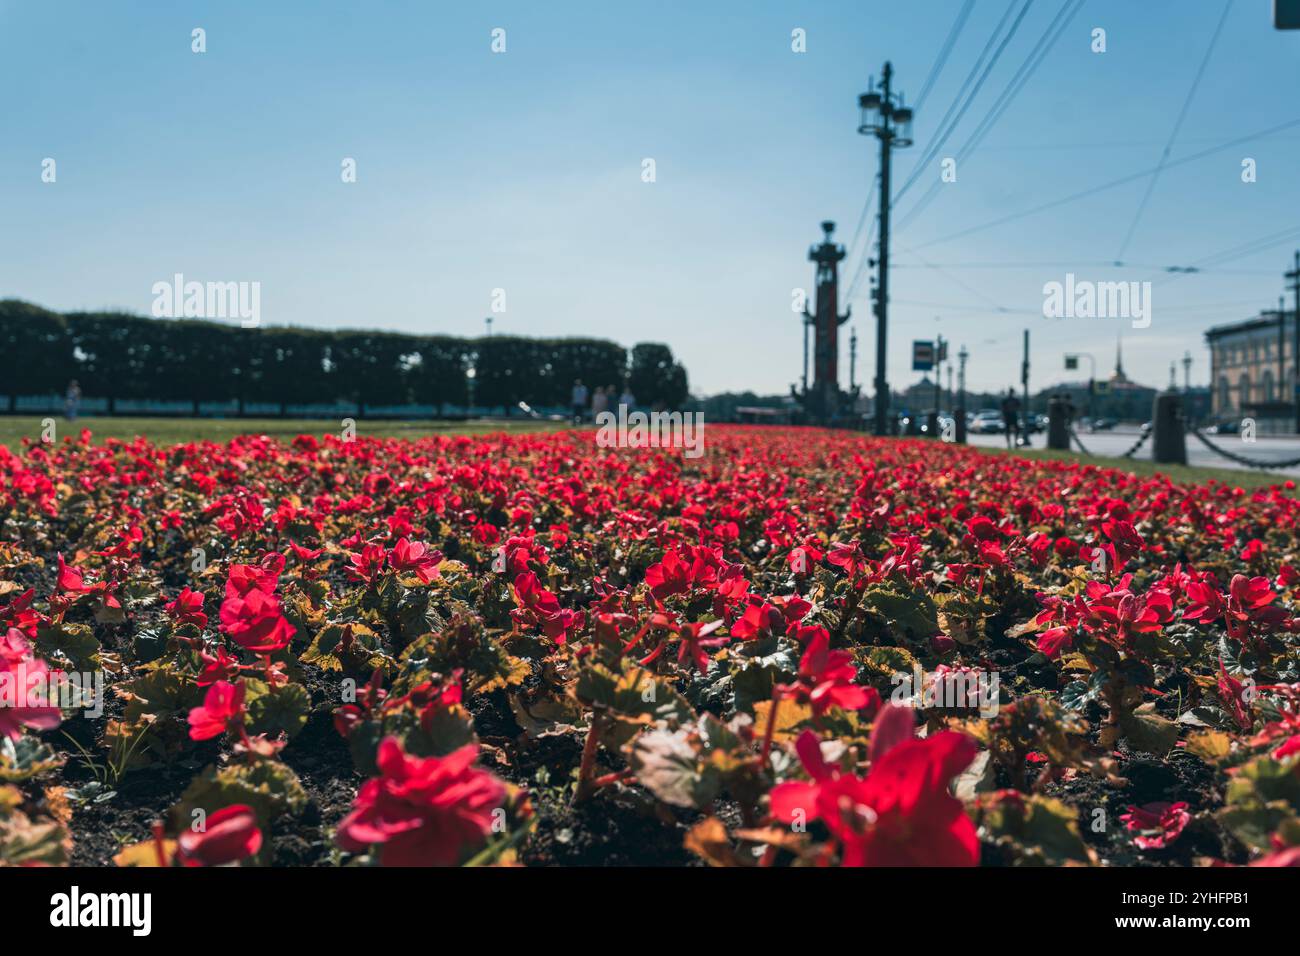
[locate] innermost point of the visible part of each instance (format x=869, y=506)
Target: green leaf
x=25, y=758
x=1148, y=731
x=68, y=644
x=272, y=710
x=911, y=611
x=269, y=787
x=668, y=765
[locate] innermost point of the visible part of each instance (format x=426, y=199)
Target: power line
x=941, y=60
x=952, y=278
x=1026, y=265
x=1017, y=83
x=1123, y=180
x=1173, y=134
x=947, y=127
x=1239, y=251
x=862, y=219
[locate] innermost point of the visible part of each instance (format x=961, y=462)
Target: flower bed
x=804, y=647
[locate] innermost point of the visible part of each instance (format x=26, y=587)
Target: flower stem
x=771, y=728
x=585, y=787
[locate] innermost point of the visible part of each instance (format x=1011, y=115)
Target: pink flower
x=231, y=834
x=901, y=814
x=415, y=557
x=1158, y=824
x=24, y=682
x=250, y=613
x=187, y=608
x=223, y=709
x=422, y=811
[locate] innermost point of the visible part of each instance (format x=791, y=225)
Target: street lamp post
x=885, y=117
x=1294, y=276
x=853, y=360
x=960, y=413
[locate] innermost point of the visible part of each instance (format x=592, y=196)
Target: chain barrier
x=1196, y=432
x=1128, y=454
x=1242, y=459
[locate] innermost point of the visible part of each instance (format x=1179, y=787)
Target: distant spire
x=1118, y=376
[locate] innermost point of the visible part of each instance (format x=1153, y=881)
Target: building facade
x=1252, y=368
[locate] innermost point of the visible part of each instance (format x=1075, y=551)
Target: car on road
x=986, y=423
x=1102, y=425
x=1225, y=428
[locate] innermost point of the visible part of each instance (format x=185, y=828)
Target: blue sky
x=522, y=170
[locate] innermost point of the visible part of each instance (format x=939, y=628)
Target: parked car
x=1102, y=425
x=986, y=423
x=1225, y=428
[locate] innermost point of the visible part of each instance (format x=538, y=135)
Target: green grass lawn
x=167, y=431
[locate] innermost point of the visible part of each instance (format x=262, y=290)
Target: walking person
x=72, y=400
x=579, y=401
x=1011, y=418
x=600, y=401
x=628, y=399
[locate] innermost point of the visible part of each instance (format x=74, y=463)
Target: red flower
x=901, y=814
x=1233, y=694
x=187, y=608
x=222, y=710
x=367, y=565
x=230, y=835
x=422, y=811
x=1206, y=605
x=760, y=620
x=250, y=613
x=538, y=607
x=847, y=556
x=1250, y=601
x=70, y=579
x=21, y=673
x=415, y=557
x=254, y=622
x=1286, y=857
x=670, y=576
x=828, y=676
x=1158, y=824
x=223, y=666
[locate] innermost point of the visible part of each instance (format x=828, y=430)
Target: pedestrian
x=579, y=401
x=72, y=400
x=1011, y=417
x=600, y=401
x=627, y=398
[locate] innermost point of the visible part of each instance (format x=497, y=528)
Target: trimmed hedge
x=117, y=356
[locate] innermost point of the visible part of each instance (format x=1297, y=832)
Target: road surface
x=1115, y=443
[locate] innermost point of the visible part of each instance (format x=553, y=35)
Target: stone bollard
x=1168, y=442
x=1058, y=425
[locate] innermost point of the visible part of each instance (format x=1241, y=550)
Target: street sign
x=1071, y=363
x=1286, y=14
x=922, y=355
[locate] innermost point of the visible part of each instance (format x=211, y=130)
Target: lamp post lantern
x=885, y=117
